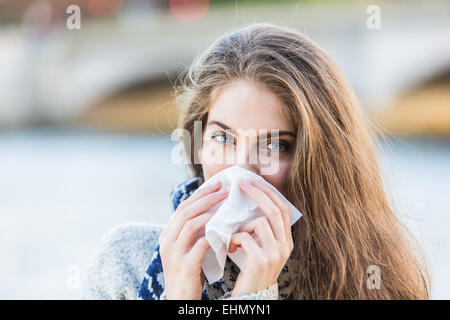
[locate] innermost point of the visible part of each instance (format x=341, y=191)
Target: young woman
x=348, y=244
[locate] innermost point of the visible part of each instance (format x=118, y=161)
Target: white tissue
x=232, y=213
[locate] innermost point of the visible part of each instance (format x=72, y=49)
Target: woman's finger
x=285, y=212
x=261, y=227
x=198, y=251
x=196, y=208
x=272, y=212
x=246, y=242
x=212, y=188
x=191, y=229
x=184, y=204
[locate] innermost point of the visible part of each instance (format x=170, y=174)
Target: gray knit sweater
x=123, y=255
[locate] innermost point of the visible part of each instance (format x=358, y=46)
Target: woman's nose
x=248, y=160
x=252, y=168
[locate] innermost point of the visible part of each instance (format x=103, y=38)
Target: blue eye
x=222, y=137
x=278, y=146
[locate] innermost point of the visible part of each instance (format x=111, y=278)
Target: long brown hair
x=348, y=223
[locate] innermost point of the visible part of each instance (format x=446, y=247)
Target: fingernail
x=221, y=191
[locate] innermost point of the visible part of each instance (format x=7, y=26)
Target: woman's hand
x=268, y=251
x=181, y=258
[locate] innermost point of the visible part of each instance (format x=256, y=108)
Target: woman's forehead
x=245, y=105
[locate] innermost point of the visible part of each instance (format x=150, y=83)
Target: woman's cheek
x=279, y=177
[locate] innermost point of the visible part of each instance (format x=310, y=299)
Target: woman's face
x=240, y=122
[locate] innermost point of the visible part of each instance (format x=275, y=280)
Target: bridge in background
x=61, y=75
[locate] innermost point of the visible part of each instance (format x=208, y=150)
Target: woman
x=347, y=245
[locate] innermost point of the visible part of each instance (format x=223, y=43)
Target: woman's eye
x=278, y=146
x=223, y=137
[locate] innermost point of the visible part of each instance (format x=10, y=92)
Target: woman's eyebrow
x=284, y=133
x=223, y=126
x=233, y=131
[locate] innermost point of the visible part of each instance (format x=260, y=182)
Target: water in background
x=62, y=189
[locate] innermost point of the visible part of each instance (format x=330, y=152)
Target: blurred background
x=86, y=116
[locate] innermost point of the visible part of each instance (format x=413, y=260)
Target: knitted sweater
x=123, y=255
